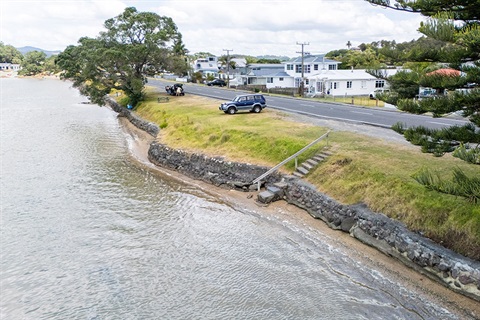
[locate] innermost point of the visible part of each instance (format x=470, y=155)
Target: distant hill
x=281, y=58
x=26, y=49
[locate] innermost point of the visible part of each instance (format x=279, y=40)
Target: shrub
x=468, y=155
x=460, y=185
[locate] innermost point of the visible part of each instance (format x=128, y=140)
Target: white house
x=206, y=66
x=269, y=75
x=344, y=82
x=9, y=66
x=320, y=75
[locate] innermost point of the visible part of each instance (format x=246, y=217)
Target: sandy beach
x=460, y=305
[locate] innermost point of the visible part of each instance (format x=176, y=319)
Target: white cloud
x=247, y=27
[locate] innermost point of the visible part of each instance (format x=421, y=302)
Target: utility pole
x=302, y=84
x=228, y=66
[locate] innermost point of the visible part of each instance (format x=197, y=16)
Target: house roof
x=311, y=59
x=356, y=74
x=269, y=73
x=446, y=72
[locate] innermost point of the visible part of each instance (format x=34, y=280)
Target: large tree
x=452, y=38
x=9, y=54
x=134, y=44
x=33, y=63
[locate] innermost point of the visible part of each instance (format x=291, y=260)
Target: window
x=332, y=67
x=307, y=68
x=307, y=82
x=349, y=84
x=364, y=84
x=280, y=79
x=298, y=68
x=315, y=67
x=379, y=83
x=269, y=80
x=289, y=66
x=334, y=85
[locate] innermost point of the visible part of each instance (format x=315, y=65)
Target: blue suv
x=250, y=102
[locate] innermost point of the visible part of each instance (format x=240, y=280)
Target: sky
x=268, y=27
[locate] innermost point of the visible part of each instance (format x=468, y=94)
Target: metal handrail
x=269, y=172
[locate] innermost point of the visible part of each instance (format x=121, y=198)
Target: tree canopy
x=9, y=54
x=133, y=45
x=465, y=10
x=33, y=63
x=452, y=41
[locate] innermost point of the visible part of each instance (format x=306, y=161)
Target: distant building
x=270, y=75
x=206, y=66
x=9, y=66
x=354, y=82
x=320, y=76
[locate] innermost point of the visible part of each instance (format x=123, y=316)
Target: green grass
x=196, y=124
x=361, y=168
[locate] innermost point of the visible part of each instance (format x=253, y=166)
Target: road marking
x=307, y=105
x=332, y=118
x=442, y=123
x=370, y=114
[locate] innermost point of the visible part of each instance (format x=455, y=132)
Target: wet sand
x=463, y=307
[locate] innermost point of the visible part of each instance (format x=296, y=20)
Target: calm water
x=87, y=233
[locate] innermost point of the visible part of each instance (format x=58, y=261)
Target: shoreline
x=461, y=305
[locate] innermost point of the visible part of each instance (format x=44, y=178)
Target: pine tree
x=453, y=33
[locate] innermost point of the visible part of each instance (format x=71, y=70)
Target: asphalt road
x=380, y=117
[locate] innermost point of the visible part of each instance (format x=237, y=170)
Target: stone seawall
x=390, y=237
x=374, y=229
x=138, y=122
x=216, y=171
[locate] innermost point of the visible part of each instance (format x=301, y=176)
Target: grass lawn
x=361, y=168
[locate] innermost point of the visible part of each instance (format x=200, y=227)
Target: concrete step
x=307, y=166
x=318, y=158
x=302, y=170
x=298, y=174
x=278, y=192
x=265, y=196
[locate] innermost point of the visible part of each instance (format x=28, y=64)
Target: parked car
x=175, y=90
x=217, y=82
x=250, y=102
x=373, y=94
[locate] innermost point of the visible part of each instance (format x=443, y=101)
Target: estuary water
x=88, y=232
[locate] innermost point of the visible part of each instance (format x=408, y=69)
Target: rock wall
x=138, y=122
x=374, y=229
x=389, y=236
x=216, y=171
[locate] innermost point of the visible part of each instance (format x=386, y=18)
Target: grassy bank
x=361, y=168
